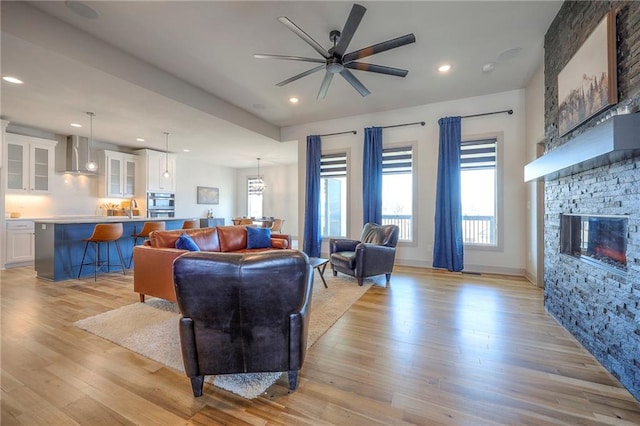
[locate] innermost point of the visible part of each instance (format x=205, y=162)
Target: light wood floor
x=433, y=348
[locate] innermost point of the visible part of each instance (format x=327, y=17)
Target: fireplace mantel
x=611, y=141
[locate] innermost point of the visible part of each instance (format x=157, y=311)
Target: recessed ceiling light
x=444, y=68
x=76, y=125
x=294, y=100
x=139, y=139
x=509, y=53
x=488, y=67
x=186, y=150
x=13, y=80
x=81, y=9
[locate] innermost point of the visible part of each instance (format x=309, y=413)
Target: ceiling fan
x=335, y=61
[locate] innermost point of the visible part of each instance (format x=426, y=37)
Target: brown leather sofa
x=243, y=313
x=153, y=261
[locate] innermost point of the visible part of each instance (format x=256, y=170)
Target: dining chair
x=276, y=226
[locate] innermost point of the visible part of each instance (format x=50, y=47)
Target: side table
x=320, y=264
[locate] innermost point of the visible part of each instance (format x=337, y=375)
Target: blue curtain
x=447, y=246
x=372, y=175
x=312, y=238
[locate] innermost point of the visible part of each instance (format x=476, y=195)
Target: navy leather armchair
x=243, y=313
x=374, y=254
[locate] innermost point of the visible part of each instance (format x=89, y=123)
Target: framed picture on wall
x=588, y=83
x=208, y=195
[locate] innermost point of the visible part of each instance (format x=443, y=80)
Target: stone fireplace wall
x=601, y=309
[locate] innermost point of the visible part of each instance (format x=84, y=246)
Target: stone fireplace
x=599, y=305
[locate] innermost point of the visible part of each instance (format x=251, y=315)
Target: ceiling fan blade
x=350, y=27
x=288, y=58
x=363, y=66
x=378, y=48
x=302, y=74
x=324, y=87
x=354, y=82
x=306, y=37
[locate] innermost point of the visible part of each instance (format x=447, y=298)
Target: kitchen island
x=59, y=246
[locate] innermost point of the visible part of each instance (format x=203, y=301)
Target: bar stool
x=103, y=233
x=190, y=224
x=147, y=228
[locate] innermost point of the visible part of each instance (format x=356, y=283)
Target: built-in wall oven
x=161, y=204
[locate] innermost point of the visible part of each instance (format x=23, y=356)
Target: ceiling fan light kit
x=335, y=61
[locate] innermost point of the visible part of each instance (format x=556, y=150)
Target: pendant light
x=166, y=173
x=258, y=184
x=91, y=165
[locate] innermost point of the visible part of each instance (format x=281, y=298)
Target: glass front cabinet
x=120, y=174
x=30, y=163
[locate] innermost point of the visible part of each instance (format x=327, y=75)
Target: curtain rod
x=340, y=133
x=422, y=123
x=508, y=111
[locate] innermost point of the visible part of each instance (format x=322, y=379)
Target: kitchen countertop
x=73, y=218
x=101, y=219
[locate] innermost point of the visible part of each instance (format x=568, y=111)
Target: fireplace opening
x=600, y=240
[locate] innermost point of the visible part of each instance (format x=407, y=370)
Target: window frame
x=414, y=188
x=499, y=191
x=347, y=153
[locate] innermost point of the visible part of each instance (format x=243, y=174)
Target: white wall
x=510, y=259
x=534, y=94
x=191, y=174
x=280, y=198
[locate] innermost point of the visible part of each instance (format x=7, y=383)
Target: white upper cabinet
x=119, y=174
x=153, y=165
x=29, y=164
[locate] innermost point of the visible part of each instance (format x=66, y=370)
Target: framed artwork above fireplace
x=588, y=85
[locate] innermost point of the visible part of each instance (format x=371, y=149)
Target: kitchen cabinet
x=20, y=243
x=153, y=166
x=29, y=164
x=119, y=178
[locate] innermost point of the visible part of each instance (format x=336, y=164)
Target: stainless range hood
x=78, y=155
x=611, y=141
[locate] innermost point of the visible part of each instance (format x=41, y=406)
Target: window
x=397, y=190
x=478, y=190
x=333, y=195
x=254, y=197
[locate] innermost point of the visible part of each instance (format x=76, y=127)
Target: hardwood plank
x=432, y=348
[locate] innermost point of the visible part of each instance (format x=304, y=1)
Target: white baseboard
x=478, y=269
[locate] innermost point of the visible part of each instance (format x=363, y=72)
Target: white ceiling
x=188, y=68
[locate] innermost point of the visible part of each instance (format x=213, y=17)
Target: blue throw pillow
x=258, y=237
x=185, y=242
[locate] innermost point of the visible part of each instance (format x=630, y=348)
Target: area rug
x=151, y=329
